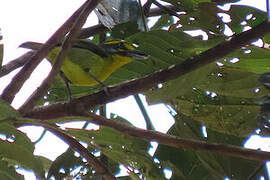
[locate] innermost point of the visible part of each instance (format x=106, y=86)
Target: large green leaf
x=252, y=59
x=17, y=136
x=242, y=16
x=7, y=112
x=18, y=154
x=196, y=165
x=204, y=18
x=17, y=148
x=186, y=5
x=8, y=172
x=220, y=97
x=64, y=164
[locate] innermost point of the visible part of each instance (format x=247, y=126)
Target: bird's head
x=122, y=48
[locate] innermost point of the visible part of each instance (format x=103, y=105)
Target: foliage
x=223, y=96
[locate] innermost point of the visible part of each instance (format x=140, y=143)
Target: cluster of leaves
x=220, y=96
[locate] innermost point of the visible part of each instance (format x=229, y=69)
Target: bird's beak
x=136, y=54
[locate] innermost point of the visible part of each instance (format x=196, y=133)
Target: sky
x=37, y=20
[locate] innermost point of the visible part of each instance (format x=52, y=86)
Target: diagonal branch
x=67, y=44
x=76, y=146
x=139, y=85
x=16, y=63
x=174, y=141
x=18, y=80
x=146, y=6
x=180, y=143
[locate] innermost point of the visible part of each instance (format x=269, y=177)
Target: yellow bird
x=88, y=63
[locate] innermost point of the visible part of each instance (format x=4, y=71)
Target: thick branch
x=175, y=141
x=19, y=79
x=67, y=44
x=181, y=143
x=138, y=85
x=76, y=146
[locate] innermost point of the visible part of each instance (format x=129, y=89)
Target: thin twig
x=256, y=172
x=18, y=80
x=171, y=12
x=76, y=146
x=16, y=63
x=146, y=6
x=40, y=137
x=139, y=85
x=67, y=44
x=148, y=122
x=143, y=17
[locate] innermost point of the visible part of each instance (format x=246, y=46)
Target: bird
x=88, y=64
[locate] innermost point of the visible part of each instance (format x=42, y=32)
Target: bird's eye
x=121, y=45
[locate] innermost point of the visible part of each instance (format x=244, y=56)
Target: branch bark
x=16, y=63
x=180, y=143
x=139, y=85
x=174, y=141
x=76, y=146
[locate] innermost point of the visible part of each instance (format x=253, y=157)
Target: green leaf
x=185, y=5
x=164, y=21
x=124, y=30
x=252, y=59
x=22, y=156
x=126, y=150
x=18, y=149
x=7, y=112
x=20, y=138
x=231, y=109
x=66, y=161
x=197, y=165
x=204, y=18
x=242, y=16
x=8, y=172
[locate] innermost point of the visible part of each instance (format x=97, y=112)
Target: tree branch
x=18, y=80
x=256, y=172
x=146, y=6
x=67, y=44
x=180, y=143
x=139, y=85
x=148, y=122
x=170, y=11
x=76, y=146
x=16, y=63
x=174, y=141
